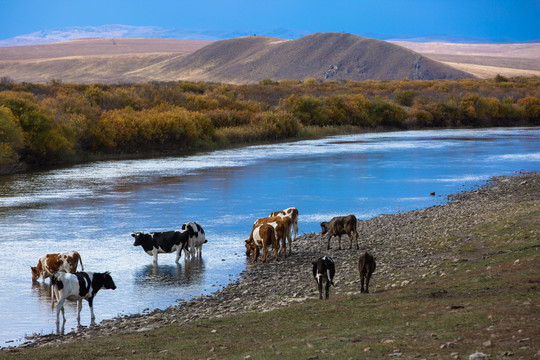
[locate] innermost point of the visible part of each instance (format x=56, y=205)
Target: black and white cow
x=195, y=243
x=165, y=242
x=324, y=269
x=76, y=287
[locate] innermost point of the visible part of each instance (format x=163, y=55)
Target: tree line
x=58, y=123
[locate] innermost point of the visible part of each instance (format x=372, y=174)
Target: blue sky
x=485, y=20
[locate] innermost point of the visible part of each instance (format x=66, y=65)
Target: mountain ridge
x=327, y=56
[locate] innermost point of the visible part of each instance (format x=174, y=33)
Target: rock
x=477, y=356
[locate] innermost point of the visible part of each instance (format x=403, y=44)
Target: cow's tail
x=80, y=260
x=53, y=284
x=330, y=280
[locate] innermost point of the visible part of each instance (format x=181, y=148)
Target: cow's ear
x=133, y=234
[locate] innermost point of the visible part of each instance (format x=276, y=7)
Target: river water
x=93, y=208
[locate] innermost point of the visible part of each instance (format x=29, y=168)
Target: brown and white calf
x=262, y=236
x=366, y=267
x=50, y=264
x=282, y=230
x=341, y=225
x=324, y=269
x=291, y=213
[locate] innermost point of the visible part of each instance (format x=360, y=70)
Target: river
x=93, y=208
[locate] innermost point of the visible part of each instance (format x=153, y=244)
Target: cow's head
x=139, y=238
x=107, y=280
x=35, y=273
x=324, y=227
x=250, y=246
x=191, y=229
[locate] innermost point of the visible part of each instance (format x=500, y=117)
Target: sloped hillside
x=328, y=56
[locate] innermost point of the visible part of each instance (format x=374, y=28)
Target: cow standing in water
x=76, y=287
x=195, y=242
x=165, y=242
x=50, y=264
x=324, y=270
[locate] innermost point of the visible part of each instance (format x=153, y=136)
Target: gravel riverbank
x=405, y=245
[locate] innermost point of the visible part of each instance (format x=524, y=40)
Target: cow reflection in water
x=191, y=272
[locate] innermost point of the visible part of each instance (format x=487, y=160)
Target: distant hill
x=329, y=56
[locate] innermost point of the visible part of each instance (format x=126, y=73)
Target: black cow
x=76, y=287
x=165, y=242
x=324, y=270
x=366, y=267
x=341, y=225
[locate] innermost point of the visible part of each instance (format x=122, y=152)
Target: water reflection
x=189, y=273
x=42, y=291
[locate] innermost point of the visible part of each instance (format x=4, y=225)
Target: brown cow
x=291, y=213
x=282, y=228
x=341, y=225
x=366, y=267
x=262, y=236
x=52, y=263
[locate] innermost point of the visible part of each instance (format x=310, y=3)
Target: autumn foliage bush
x=44, y=124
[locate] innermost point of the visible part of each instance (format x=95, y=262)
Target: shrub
x=405, y=97
x=11, y=137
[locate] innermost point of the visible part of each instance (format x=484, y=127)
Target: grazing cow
x=366, y=267
x=282, y=230
x=324, y=270
x=50, y=264
x=76, y=287
x=291, y=213
x=164, y=242
x=341, y=225
x=262, y=236
x=195, y=242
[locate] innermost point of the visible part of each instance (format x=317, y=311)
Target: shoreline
x=404, y=244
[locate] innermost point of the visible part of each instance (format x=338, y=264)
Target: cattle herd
x=274, y=231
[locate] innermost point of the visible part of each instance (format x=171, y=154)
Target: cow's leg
x=91, y=305
x=154, y=255
x=289, y=238
x=60, y=308
x=319, y=284
x=356, y=239
x=178, y=254
x=367, y=282
x=79, y=308
x=362, y=275
x=339, y=242
x=265, y=253
x=255, y=254
x=328, y=247
x=327, y=287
